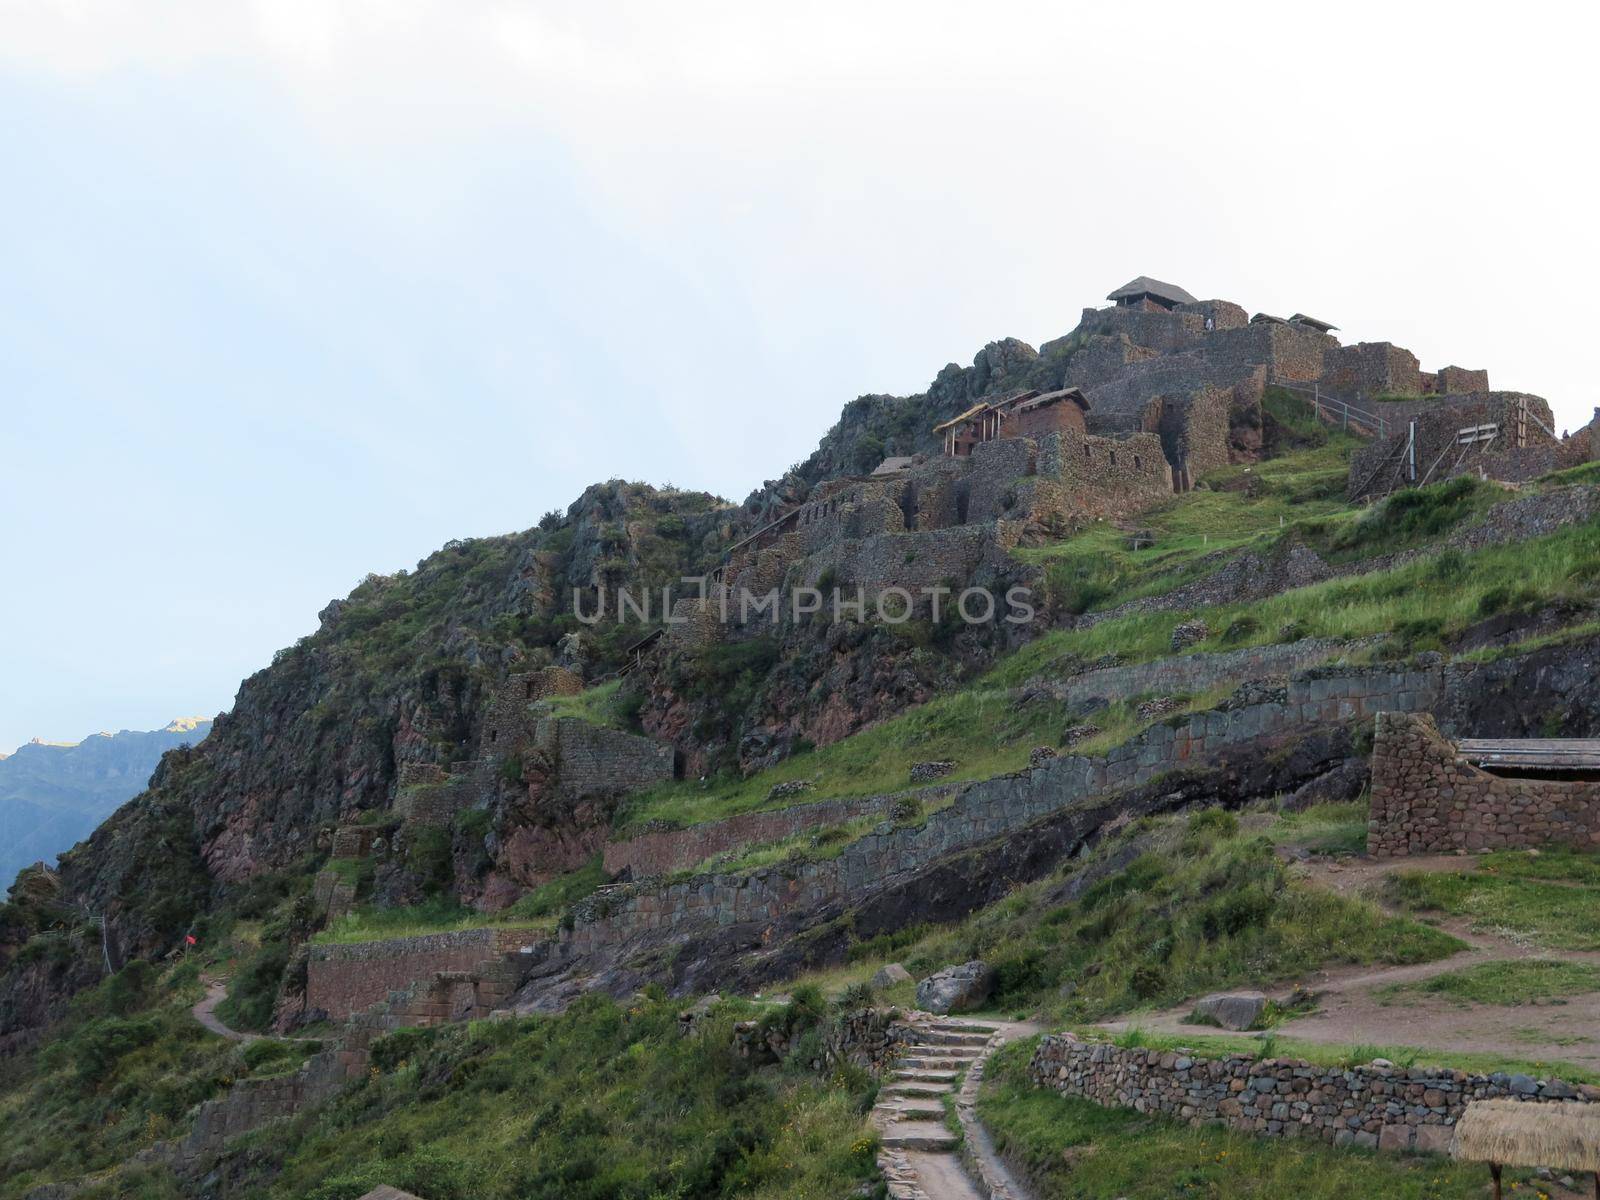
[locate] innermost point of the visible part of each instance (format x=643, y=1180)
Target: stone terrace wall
x=1426, y=799
x=342, y=980
x=595, y=761
x=668, y=851
x=1386, y=1108
x=1192, y=673
x=991, y=807
x=665, y=852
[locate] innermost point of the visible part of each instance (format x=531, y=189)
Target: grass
x=1205, y=905
x=1073, y=1148
x=1505, y=982
x=122, y=1071
x=439, y=915
x=1421, y=605
x=982, y=730
x=597, y=705
x=606, y=1101
x=1551, y=915
x=1560, y=863
x=1095, y=570
x=1325, y=828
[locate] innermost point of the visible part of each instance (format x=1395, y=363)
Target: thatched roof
x=1171, y=293
x=893, y=466
x=1267, y=319
x=1029, y=403
x=1311, y=323
x=971, y=414
x=1563, y=1136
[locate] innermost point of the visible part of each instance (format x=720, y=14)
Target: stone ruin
x=1434, y=796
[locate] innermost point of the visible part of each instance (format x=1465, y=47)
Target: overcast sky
x=299, y=289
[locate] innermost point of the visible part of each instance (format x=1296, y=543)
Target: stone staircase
x=920, y=1156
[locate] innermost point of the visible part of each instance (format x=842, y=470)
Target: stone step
x=961, y=1027
x=912, y=1110
x=936, y=1062
x=922, y=1075
x=921, y=1091
x=949, y=1037
x=919, y=1135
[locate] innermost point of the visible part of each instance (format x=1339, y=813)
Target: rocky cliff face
x=52, y=795
x=397, y=673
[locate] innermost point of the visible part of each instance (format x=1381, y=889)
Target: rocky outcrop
x=956, y=989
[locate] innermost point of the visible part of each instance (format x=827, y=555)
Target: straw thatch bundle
x=1564, y=1136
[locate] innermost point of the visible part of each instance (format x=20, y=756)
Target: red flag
x=188, y=939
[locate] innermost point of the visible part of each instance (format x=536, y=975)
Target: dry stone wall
x=342, y=980
x=1378, y=1107
x=989, y=808
x=668, y=851
x=1427, y=799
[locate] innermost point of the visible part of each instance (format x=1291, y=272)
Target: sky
x=295, y=290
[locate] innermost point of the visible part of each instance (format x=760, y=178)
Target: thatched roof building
x=1563, y=1136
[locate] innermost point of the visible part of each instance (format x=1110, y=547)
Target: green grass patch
x=122, y=1071
x=1555, y=862
x=1073, y=1148
x=983, y=731
x=606, y=1101
x=603, y=704
x=553, y=898
x=437, y=915
x=1557, y=916
x=1207, y=905
x=1324, y=828
x=1510, y=981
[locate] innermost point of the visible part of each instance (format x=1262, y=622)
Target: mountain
x=53, y=794
x=466, y=793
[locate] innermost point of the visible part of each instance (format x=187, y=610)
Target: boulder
x=1231, y=1010
x=888, y=976
x=956, y=989
x=1189, y=633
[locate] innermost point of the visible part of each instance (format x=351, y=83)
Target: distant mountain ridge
x=53, y=794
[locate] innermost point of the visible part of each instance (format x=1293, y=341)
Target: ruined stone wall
x=1290, y=353
x=1156, y=328
x=429, y=795
x=1101, y=359
x=342, y=980
x=1376, y=1107
x=1370, y=369
x=1384, y=465
x=1426, y=799
x=1224, y=314
x=984, y=810
x=996, y=468
x=668, y=851
x=592, y=760
x=1189, y=674
x=1452, y=381
x=1108, y=477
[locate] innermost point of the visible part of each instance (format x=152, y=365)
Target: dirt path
x=922, y=1157
x=1351, y=1012
x=206, y=1013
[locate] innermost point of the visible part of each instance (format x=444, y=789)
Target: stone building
x=1431, y=795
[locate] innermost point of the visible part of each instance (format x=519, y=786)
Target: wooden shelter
x=1563, y=1136
x=1148, y=293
